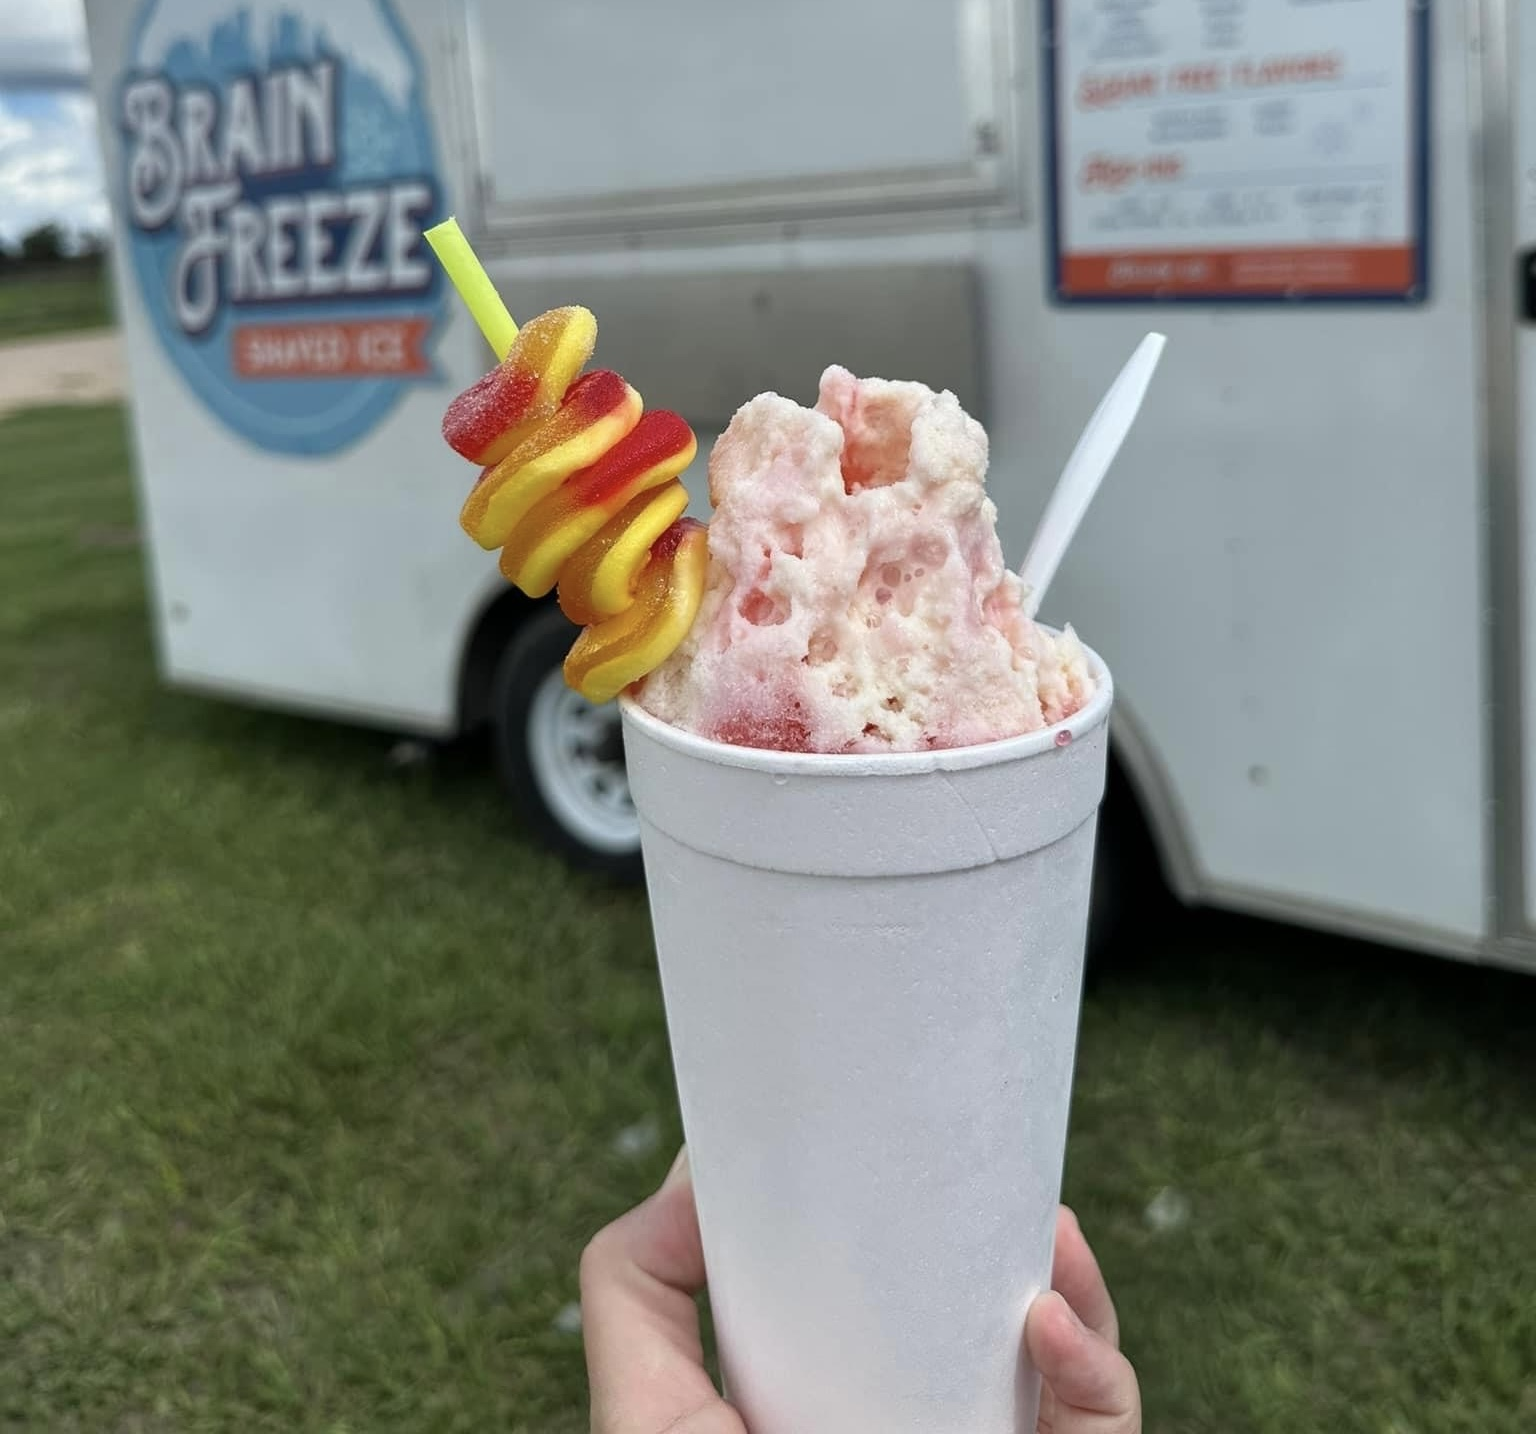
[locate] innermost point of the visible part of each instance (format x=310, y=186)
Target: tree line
x=53, y=244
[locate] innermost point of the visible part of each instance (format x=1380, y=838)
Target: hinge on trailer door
x=1525, y=285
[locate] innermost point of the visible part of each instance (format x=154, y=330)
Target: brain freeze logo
x=277, y=173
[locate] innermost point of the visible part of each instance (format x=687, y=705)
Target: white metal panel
x=598, y=117
x=774, y=327
x=1284, y=570
x=1523, y=76
x=590, y=96
x=340, y=583
x=343, y=585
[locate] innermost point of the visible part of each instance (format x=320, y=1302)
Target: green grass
x=311, y=1068
x=77, y=297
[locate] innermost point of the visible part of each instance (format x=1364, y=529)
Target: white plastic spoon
x=1085, y=470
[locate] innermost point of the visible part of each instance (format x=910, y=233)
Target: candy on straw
x=579, y=486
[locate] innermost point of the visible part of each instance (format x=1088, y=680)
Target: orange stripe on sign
x=1366, y=268
x=360, y=348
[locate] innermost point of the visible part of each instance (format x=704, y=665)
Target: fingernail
x=1056, y=1296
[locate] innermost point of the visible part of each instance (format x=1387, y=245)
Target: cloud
x=50, y=166
x=43, y=36
x=13, y=132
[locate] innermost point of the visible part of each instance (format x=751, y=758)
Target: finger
x=1077, y=1276
x=1093, y=1384
x=640, y=1325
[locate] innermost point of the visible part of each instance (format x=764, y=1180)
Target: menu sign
x=1237, y=149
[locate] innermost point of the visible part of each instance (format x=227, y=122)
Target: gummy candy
x=655, y=451
x=580, y=492
x=609, y=655
x=489, y=419
x=599, y=409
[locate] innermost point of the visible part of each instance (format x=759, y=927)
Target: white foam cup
x=872, y=968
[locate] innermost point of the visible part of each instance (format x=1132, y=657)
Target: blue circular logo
x=278, y=170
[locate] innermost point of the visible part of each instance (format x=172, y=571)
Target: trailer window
x=596, y=115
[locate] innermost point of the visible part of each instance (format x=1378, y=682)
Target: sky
x=50, y=164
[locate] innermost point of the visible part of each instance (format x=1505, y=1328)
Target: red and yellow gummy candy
x=580, y=490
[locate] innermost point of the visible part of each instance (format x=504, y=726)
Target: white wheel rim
x=577, y=756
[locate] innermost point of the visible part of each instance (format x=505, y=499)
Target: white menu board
x=1237, y=149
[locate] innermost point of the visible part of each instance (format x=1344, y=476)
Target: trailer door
x=750, y=113
x=1512, y=546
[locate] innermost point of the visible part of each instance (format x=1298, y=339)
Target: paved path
x=69, y=368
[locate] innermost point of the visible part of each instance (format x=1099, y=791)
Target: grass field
x=312, y=1072
x=76, y=298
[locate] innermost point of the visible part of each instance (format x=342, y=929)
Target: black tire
x=1129, y=897
x=1109, y=907
x=545, y=790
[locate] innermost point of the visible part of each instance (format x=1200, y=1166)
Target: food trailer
x=1310, y=570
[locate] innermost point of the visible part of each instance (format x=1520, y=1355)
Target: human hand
x=645, y=1360
x=1073, y=1337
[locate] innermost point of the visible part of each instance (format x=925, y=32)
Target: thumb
x=640, y=1324
x=1092, y=1387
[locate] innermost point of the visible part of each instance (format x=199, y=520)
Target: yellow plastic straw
x=474, y=285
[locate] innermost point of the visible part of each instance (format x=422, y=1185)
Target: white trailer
x=1311, y=570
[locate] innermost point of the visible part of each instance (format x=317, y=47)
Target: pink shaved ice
x=857, y=599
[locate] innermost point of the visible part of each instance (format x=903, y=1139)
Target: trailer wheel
x=1130, y=904
x=1113, y=878
x=561, y=758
